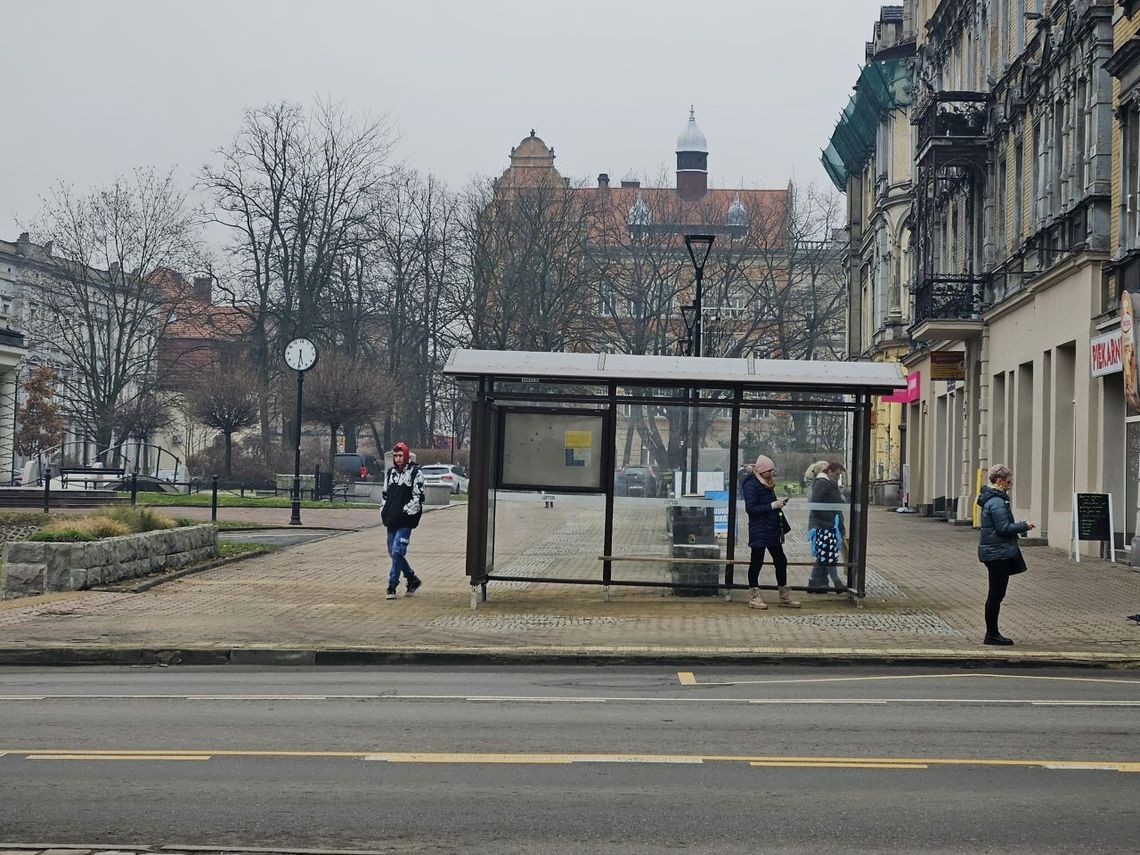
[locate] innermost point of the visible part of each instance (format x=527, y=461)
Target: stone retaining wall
x=38, y=568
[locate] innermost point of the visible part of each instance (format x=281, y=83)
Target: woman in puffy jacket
x=764, y=530
x=998, y=547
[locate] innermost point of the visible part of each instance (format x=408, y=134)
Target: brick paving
x=925, y=596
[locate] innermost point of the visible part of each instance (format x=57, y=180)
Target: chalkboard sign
x=1093, y=516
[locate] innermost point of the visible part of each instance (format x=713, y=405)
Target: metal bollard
x=47, y=489
x=214, y=499
x=134, y=488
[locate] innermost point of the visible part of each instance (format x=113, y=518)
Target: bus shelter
x=620, y=470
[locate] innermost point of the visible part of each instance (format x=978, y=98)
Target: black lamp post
x=699, y=247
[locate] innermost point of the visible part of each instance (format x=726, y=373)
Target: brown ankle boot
x=786, y=600
x=754, y=602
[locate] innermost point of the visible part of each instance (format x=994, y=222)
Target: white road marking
x=691, y=680
x=569, y=699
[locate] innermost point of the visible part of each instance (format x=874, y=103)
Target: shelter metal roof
x=805, y=375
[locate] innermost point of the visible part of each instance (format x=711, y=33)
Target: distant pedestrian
x=998, y=547
x=826, y=529
x=766, y=529
x=403, y=504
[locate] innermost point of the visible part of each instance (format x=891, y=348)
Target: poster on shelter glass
x=1128, y=353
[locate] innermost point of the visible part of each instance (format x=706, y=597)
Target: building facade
x=1018, y=250
x=870, y=158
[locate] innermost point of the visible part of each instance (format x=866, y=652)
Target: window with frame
x=999, y=209
x=1130, y=180
x=1018, y=185
x=1058, y=158
x=1082, y=117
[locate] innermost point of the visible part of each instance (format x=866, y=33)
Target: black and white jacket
x=403, y=497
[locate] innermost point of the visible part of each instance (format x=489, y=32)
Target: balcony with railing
x=948, y=307
x=952, y=125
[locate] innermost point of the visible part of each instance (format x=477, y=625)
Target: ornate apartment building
x=1020, y=235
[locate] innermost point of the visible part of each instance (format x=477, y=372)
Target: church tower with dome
x=692, y=162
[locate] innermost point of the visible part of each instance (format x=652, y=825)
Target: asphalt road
x=573, y=760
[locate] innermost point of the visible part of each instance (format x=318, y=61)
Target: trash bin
x=324, y=485
x=685, y=573
x=694, y=524
x=437, y=494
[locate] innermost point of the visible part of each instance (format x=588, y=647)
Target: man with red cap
x=403, y=498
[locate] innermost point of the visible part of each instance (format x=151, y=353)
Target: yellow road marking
x=686, y=678
x=692, y=681
x=162, y=757
x=567, y=758
x=843, y=765
x=559, y=759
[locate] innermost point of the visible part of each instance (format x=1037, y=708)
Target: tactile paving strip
x=512, y=623
x=917, y=623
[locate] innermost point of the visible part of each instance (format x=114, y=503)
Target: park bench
x=88, y=475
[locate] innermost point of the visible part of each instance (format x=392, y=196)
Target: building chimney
x=603, y=181
x=23, y=244
x=47, y=248
x=203, y=287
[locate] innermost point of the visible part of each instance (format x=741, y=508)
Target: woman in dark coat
x=764, y=530
x=998, y=547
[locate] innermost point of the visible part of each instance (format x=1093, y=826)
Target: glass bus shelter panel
x=548, y=536
x=659, y=528
x=795, y=440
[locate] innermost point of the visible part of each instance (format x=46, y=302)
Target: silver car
x=446, y=474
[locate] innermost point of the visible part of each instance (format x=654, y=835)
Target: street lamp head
x=699, y=247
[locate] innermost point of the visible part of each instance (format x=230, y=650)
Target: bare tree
x=528, y=284
x=106, y=310
x=341, y=391
x=295, y=190
x=228, y=403
x=40, y=424
x=773, y=286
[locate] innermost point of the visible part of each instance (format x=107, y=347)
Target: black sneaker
x=413, y=586
x=998, y=639
x=391, y=595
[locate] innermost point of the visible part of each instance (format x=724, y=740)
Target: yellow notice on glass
x=579, y=447
x=579, y=439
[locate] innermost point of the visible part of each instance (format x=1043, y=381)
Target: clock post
x=300, y=355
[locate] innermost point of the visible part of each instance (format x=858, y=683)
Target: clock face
x=300, y=354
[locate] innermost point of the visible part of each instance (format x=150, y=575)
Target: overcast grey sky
x=96, y=87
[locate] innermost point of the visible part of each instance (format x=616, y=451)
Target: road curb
x=671, y=657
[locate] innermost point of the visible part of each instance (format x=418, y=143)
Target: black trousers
x=779, y=561
x=999, y=584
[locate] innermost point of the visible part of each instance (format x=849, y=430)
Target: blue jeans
x=398, y=539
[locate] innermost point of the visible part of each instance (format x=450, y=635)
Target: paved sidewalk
x=324, y=602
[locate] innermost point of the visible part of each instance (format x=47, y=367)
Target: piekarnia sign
x=1104, y=354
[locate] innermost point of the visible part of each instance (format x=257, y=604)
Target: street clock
x=300, y=354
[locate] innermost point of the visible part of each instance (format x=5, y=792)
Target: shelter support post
x=733, y=486
x=861, y=492
x=609, y=453
x=478, y=489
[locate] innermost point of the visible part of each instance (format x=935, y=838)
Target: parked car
x=354, y=466
x=446, y=474
x=638, y=481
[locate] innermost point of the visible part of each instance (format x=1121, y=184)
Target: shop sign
x=948, y=365
x=1104, y=354
x=908, y=395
